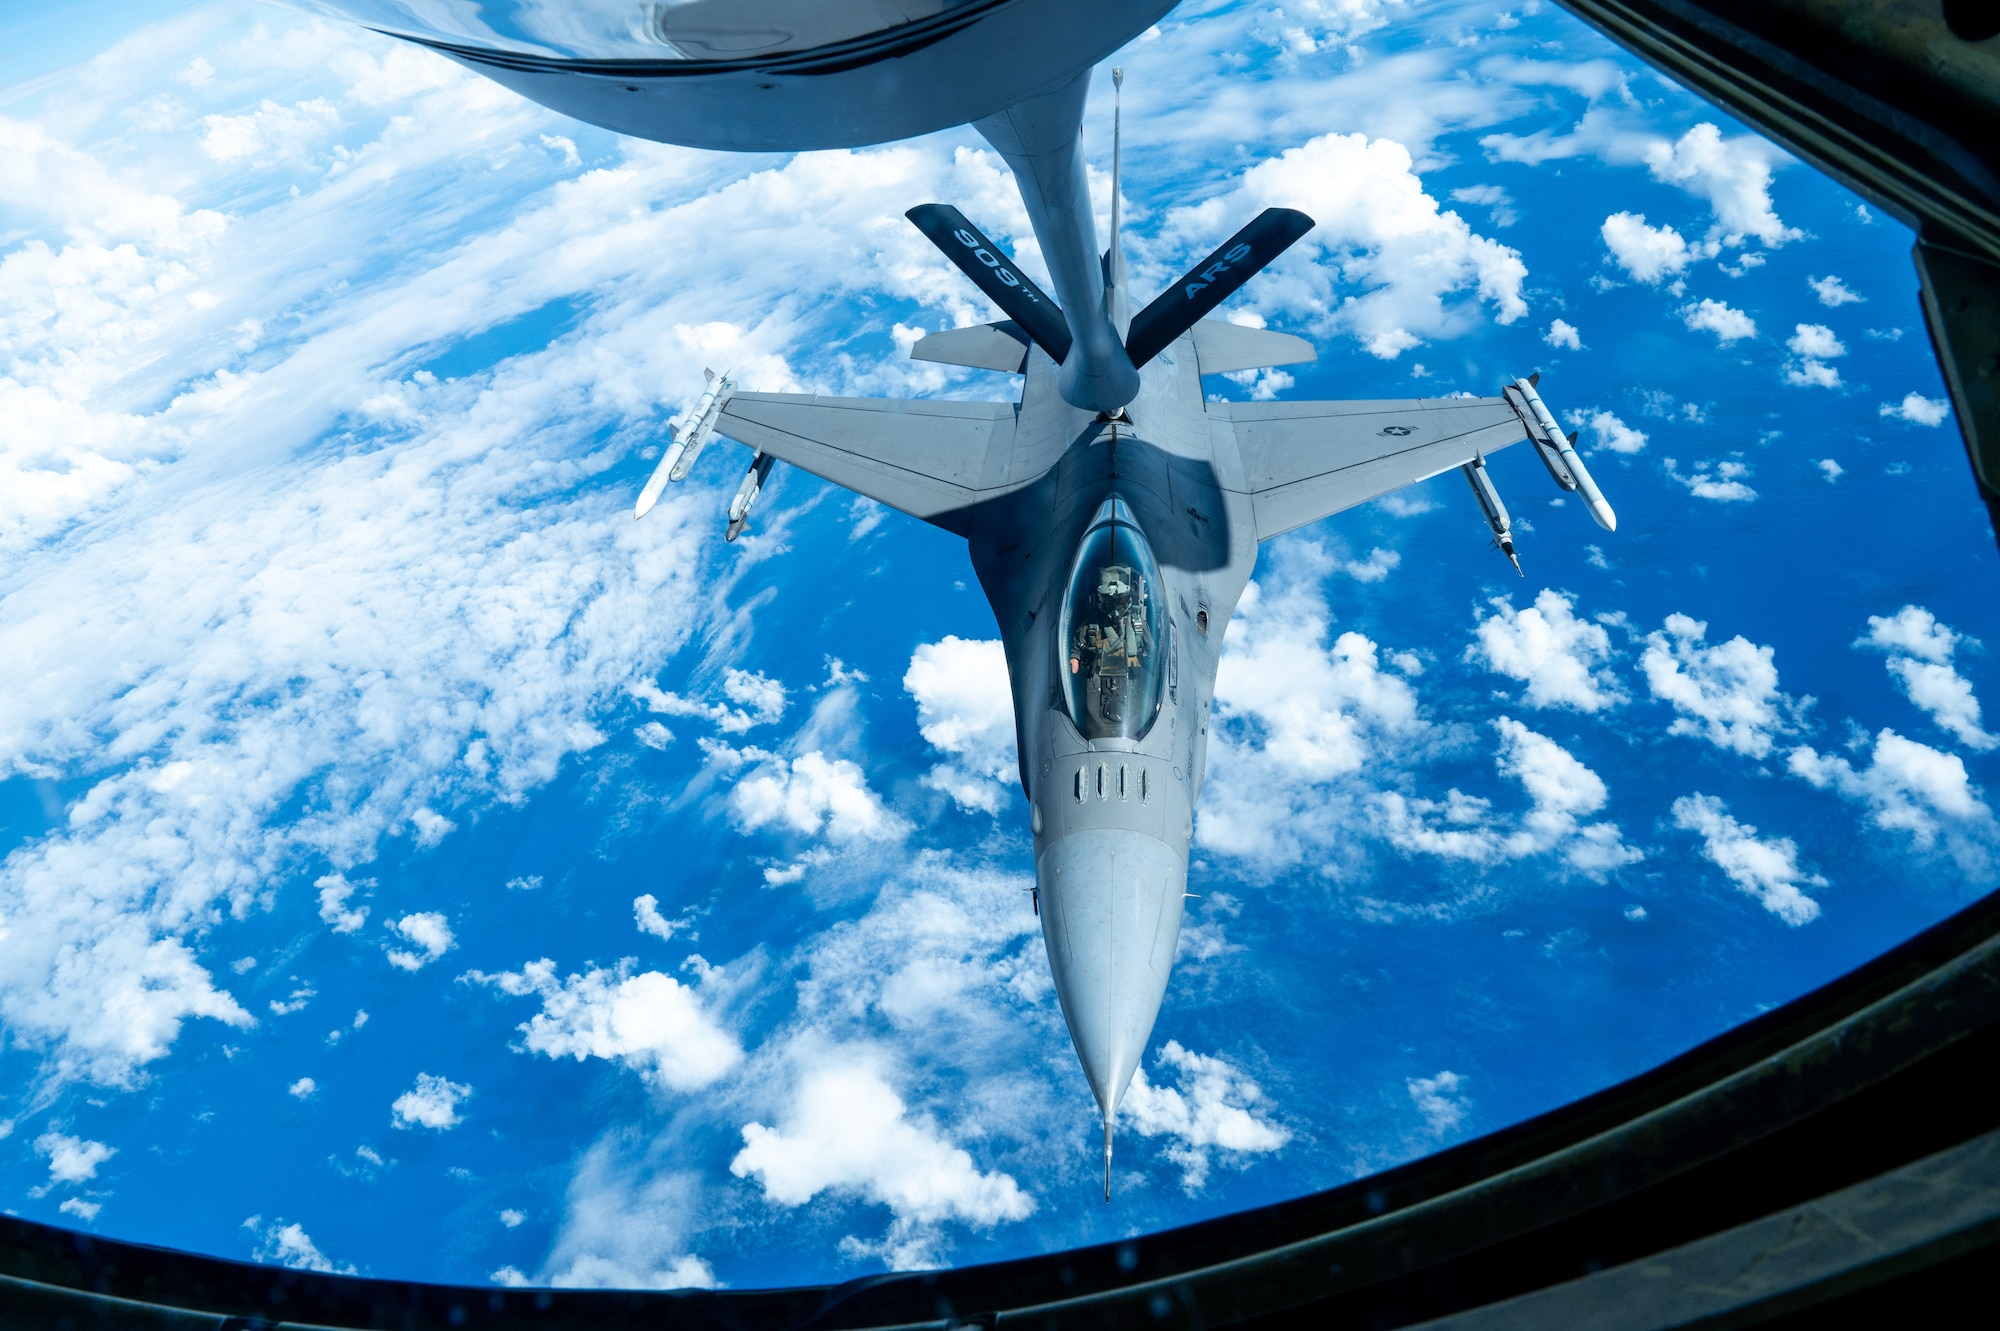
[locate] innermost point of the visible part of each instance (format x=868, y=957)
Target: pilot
x=1112, y=640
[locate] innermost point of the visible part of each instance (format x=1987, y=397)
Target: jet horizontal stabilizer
x=996, y=274
x=1213, y=280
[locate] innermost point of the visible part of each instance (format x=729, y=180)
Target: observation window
x=1114, y=630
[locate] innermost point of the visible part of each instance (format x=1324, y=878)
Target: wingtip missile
x=1558, y=452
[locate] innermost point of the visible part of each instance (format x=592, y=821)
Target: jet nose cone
x=1111, y=916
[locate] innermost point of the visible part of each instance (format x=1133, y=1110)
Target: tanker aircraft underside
x=1113, y=516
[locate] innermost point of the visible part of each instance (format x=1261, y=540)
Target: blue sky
x=414, y=866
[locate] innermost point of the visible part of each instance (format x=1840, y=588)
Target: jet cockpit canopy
x=1114, y=630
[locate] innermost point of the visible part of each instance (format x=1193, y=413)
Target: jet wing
x=921, y=458
x=1303, y=461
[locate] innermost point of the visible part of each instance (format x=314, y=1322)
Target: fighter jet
x=1113, y=516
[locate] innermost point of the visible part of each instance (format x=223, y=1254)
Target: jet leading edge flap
x=1213, y=280
x=995, y=273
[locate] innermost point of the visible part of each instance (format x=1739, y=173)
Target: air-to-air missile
x=1558, y=451
x=1488, y=496
x=696, y=428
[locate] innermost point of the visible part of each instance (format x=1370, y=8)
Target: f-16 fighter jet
x=1113, y=516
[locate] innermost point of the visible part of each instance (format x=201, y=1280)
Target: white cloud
x=1920, y=660
x=512, y=1218
x=1817, y=341
x=1720, y=481
x=1832, y=291
x=1423, y=273
x=1726, y=694
x=1497, y=201
x=1814, y=344
x=1214, y=1108
x=1563, y=660
x=72, y=1159
x=646, y=914
x=1725, y=321
x=431, y=1103
x=1611, y=433
x=653, y=735
x=1830, y=469
x=810, y=794
x=847, y=1131
x=1917, y=409
x=1563, y=333
x=1734, y=175
x=290, y=1245
x=649, y=1021
x=1562, y=792
x=302, y=1089
x=1909, y=787
x=1441, y=1100
x=1293, y=713
x=1648, y=253
x=334, y=892
x=1767, y=869
x=624, y=1230
x=81, y=1209
x=758, y=701
x=428, y=931
x=965, y=709
x=1376, y=567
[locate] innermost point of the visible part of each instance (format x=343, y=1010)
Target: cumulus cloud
x=1725, y=321
x=1441, y=1101
x=965, y=709
x=1563, y=660
x=1814, y=344
x=1610, y=432
x=428, y=932
x=1562, y=792
x=1909, y=787
x=1648, y=253
x=1917, y=409
x=334, y=893
x=810, y=794
x=1920, y=651
x=647, y=1020
x=290, y=1245
x=1393, y=270
x=1213, y=1109
x=81, y=1209
x=302, y=1089
x=847, y=1131
x=1766, y=868
x=646, y=914
x=1832, y=291
x=432, y=1103
x=1726, y=694
x=72, y=1159
x=1830, y=469
x=1733, y=175
x=1720, y=481
x=1562, y=333
x=1293, y=712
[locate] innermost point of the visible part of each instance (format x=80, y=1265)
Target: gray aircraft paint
x=1023, y=482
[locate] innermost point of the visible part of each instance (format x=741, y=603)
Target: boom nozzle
x=1107, y=1157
